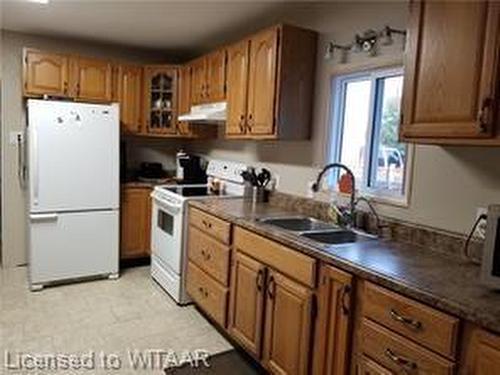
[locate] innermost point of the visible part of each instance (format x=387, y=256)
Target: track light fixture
x=367, y=42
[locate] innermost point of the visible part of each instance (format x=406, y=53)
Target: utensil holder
x=259, y=194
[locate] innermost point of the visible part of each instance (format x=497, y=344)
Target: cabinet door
x=450, y=71
x=91, y=79
x=135, y=228
x=160, y=92
x=366, y=366
x=45, y=73
x=237, y=86
x=216, y=76
x=287, y=325
x=199, y=81
x=332, y=341
x=484, y=354
x=247, y=302
x=130, y=98
x=184, y=103
x=262, y=82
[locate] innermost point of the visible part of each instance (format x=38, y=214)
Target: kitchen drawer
x=395, y=353
x=290, y=262
x=366, y=366
x=207, y=293
x=208, y=254
x=215, y=227
x=427, y=326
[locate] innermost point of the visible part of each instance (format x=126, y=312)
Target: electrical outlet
x=481, y=227
x=13, y=137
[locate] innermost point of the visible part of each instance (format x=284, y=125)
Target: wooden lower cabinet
x=334, y=323
x=135, y=217
x=294, y=322
x=366, y=366
x=398, y=354
x=246, y=312
x=208, y=293
x=481, y=352
x=288, y=321
x=270, y=316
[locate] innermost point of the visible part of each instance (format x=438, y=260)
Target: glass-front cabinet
x=161, y=99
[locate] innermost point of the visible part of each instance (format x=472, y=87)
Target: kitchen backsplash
x=429, y=238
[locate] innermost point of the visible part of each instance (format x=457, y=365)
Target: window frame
x=335, y=137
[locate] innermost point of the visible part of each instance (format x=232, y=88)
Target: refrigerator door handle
x=43, y=217
x=34, y=160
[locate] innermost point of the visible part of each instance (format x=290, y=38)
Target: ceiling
x=184, y=27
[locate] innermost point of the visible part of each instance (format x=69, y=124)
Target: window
x=366, y=113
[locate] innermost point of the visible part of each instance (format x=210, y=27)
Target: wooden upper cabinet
x=246, y=311
x=184, y=96
x=271, y=83
x=45, y=73
x=451, y=71
x=333, y=326
x=129, y=95
x=208, y=82
x=262, y=82
x=91, y=79
x=216, y=76
x=198, y=80
x=135, y=228
x=288, y=326
x=237, y=86
x=184, y=89
x=160, y=100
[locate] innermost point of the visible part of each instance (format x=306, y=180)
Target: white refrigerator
x=73, y=156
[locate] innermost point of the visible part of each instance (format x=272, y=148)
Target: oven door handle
x=172, y=209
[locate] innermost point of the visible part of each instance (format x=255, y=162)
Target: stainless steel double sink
x=317, y=230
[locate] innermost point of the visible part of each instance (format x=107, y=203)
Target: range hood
x=206, y=113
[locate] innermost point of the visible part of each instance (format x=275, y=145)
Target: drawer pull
x=205, y=254
x=203, y=291
x=415, y=324
x=207, y=224
x=400, y=361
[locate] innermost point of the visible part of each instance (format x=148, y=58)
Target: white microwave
x=490, y=268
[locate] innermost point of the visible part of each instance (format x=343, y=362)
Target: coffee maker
x=189, y=169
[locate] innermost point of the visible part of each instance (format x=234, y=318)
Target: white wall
x=448, y=183
x=13, y=200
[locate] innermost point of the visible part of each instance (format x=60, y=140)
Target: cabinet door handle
x=484, y=114
x=78, y=89
x=346, y=291
x=410, y=322
x=400, y=361
x=242, y=123
x=65, y=87
x=271, y=288
x=260, y=280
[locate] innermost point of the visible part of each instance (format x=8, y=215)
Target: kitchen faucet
x=352, y=205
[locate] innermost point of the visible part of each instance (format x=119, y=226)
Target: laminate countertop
x=438, y=280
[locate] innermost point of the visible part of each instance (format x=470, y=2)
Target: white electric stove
x=169, y=223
